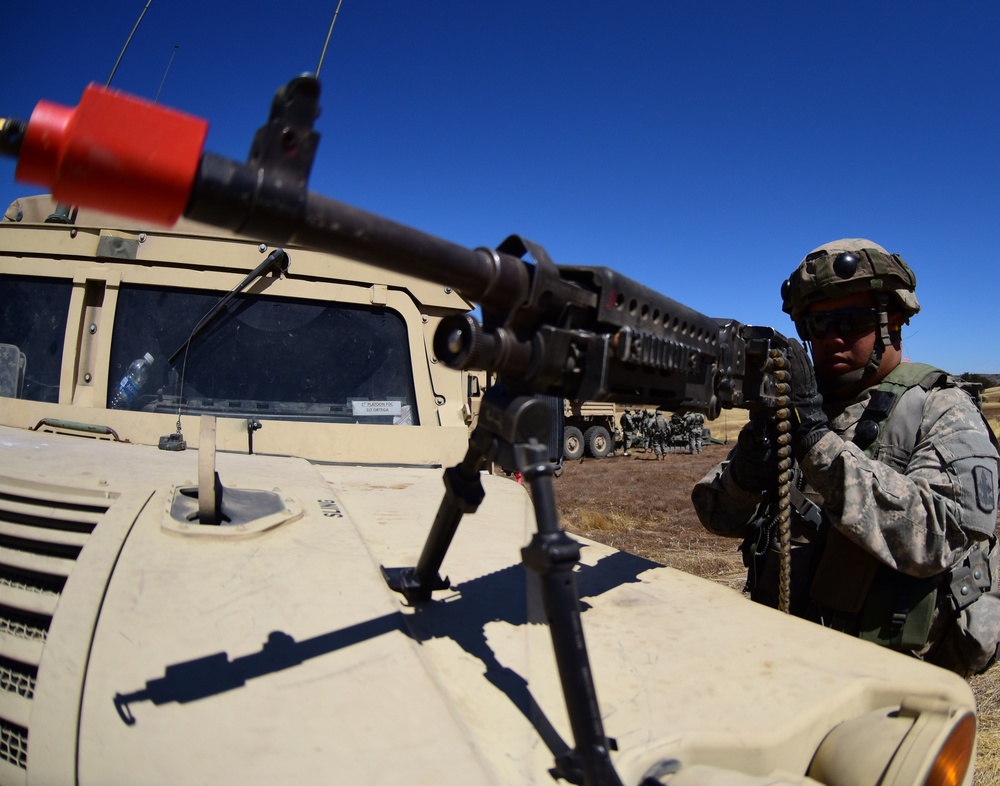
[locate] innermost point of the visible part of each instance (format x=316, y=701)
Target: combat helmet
x=844, y=267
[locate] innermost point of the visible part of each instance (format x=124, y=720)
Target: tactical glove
x=754, y=464
x=810, y=421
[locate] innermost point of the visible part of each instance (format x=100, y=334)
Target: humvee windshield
x=266, y=357
x=33, y=315
x=285, y=359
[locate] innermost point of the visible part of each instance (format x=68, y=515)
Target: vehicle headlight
x=923, y=743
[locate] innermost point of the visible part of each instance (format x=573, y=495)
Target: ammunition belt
x=779, y=367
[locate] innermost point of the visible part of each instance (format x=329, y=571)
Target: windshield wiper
x=276, y=261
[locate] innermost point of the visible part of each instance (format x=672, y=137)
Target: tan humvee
x=140, y=645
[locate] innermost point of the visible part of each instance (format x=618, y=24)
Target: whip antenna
x=66, y=214
x=329, y=33
x=127, y=42
x=171, y=60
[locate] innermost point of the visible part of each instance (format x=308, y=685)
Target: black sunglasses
x=846, y=323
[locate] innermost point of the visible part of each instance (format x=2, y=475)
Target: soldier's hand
x=754, y=465
x=811, y=422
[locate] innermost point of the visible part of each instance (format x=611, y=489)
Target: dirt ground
x=643, y=506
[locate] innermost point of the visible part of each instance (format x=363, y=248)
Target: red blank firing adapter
x=114, y=152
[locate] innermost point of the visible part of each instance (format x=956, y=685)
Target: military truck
x=221, y=612
x=589, y=427
x=479, y=381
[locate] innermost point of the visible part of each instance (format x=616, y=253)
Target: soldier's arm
x=723, y=507
x=922, y=519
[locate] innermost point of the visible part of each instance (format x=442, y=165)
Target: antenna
x=327, y=42
x=165, y=74
x=66, y=214
x=127, y=42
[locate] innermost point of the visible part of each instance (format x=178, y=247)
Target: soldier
x=894, y=481
x=677, y=432
x=644, y=430
x=695, y=423
x=628, y=431
x=660, y=435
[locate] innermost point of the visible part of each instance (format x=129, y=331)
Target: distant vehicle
x=589, y=427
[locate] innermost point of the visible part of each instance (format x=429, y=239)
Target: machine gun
x=585, y=333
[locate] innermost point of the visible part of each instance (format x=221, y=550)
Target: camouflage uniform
x=695, y=423
x=645, y=421
x=677, y=431
x=913, y=516
x=918, y=519
x=628, y=431
x=660, y=435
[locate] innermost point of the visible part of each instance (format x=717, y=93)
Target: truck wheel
x=598, y=441
x=572, y=443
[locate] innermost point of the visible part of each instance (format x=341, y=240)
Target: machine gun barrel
x=223, y=195
x=586, y=333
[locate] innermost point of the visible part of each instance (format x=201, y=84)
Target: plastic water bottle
x=132, y=382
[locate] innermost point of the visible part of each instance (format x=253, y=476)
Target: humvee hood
x=279, y=654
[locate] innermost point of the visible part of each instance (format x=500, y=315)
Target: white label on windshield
x=372, y=409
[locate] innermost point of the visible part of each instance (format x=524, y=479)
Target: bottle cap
x=149, y=358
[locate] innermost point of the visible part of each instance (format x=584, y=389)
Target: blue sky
x=701, y=148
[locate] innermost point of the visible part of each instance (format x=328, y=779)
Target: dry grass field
x=987, y=686
x=991, y=408
x=643, y=506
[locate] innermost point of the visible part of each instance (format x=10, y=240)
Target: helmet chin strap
x=882, y=339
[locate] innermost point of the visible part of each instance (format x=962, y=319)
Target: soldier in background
x=893, y=530
x=677, y=433
x=660, y=435
x=627, y=423
x=695, y=423
x=645, y=437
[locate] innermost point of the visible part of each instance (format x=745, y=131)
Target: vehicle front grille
x=18, y=678
x=14, y=744
x=43, y=529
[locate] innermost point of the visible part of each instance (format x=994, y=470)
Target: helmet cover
x=844, y=267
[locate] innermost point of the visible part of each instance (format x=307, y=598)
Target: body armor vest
x=836, y=582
